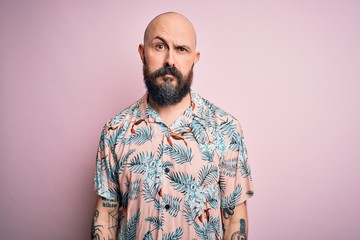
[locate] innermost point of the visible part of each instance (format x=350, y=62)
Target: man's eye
x=182, y=49
x=160, y=46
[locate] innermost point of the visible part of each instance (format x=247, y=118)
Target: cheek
x=154, y=62
x=186, y=66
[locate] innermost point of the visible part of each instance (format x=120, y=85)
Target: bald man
x=172, y=165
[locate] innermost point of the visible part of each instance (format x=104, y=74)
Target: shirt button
x=167, y=206
x=167, y=170
x=167, y=134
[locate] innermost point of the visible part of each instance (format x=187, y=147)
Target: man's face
x=169, y=56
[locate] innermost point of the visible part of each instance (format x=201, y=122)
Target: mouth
x=168, y=77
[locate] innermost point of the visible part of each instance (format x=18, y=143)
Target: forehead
x=171, y=28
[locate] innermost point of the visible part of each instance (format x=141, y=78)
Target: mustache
x=167, y=70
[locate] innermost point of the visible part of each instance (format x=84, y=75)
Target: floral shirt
x=173, y=182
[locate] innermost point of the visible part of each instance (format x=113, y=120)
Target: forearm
x=105, y=222
x=235, y=222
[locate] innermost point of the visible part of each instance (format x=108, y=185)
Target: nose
x=170, y=61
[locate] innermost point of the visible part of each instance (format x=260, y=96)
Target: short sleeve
x=106, y=182
x=235, y=174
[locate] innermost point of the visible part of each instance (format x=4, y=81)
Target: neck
x=170, y=113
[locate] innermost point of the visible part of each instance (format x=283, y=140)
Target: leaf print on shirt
x=129, y=232
x=179, y=153
x=196, y=197
x=133, y=189
x=232, y=200
x=228, y=128
x=222, y=183
x=207, y=154
x=141, y=136
x=204, y=232
x=174, y=204
x=180, y=181
x=102, y=183
x=114, y=178
x=237, y=143
x=189, y=214
x=197, y=194
x=112, y=139
x=139, y=163
x=206, y=147
x=219, y=142
x=103, y=163
x=176, y=235
x=114, y=192
x=213, y=201
x=245, y=168
x=208, y=175
x=215, y=226
x=102, y=140
x=123, y=199
x=151, y=168
x=155, y=221
x=199, y=132
x=122, y=162
x=116, y=131
x=229, y=167
x=188, y=112
x=208, y=228
x=182, y=126
x=149, y=193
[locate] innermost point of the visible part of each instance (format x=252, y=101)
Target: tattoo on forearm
x=240, y=235
x=96, y=228
x=113, y=220
x=242, y=227
x=228, y=212
x=108, y=204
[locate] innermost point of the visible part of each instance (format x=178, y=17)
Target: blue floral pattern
x=172, y=181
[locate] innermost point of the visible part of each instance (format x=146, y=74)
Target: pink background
x=289, y=70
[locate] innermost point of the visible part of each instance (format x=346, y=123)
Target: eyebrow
x=177, y=46
x=163, y=40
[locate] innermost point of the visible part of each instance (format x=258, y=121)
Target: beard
x=170, y=91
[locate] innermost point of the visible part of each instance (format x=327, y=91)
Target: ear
x=197, y=57
x=141, y=52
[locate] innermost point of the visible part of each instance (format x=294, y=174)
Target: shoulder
x=217, y=115
x=121, y=121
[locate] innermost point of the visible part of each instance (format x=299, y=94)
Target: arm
x=235, y=222
x=105, y=223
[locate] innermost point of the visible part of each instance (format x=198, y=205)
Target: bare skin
x=169, y=39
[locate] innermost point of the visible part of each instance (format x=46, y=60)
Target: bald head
x=171, y=23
